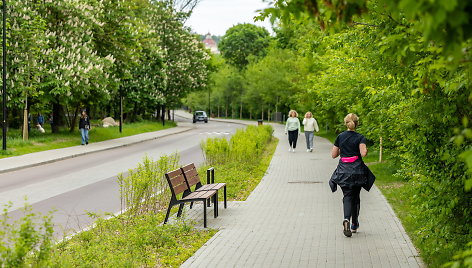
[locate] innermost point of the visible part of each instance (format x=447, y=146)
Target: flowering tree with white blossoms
x=187, y=62
x=25, y=30
x=76, y=76
x=64, y=55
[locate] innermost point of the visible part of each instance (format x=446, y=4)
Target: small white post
x=380, y=151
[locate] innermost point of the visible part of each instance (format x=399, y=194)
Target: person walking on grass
x=84, y=127
x=292, y=127
x=351, y=173
x=310, y=126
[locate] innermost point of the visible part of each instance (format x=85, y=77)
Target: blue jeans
x=84, y=133
x=309, y=139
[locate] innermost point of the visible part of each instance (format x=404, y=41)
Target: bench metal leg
x=181, y=207
x=224, y=189
x=168, y=212
x=204, y=215
x=215, y=205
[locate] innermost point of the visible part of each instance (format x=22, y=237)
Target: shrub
x=245, y=146
x=145, y=189
x=242, y=161
x=26, y=242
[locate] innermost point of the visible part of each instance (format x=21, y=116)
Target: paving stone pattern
x=292, y=219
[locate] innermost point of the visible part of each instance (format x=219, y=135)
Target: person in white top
x=310, y=126
x=292, y=128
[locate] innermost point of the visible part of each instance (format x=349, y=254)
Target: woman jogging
x=351, y=174
x=292, y=127
x=310, y=126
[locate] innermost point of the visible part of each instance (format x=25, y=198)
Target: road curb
x=184, y=129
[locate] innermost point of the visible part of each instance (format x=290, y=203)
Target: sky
x=217, y=16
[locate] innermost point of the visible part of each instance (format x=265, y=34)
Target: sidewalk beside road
x=292, y=219
x=40, y=158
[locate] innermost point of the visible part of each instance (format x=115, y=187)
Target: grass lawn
x=138, y=241
x=46, y=141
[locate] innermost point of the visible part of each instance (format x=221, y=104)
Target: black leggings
x=352, y=203
x=292, y=138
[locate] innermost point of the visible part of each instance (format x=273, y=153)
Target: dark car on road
x=200, y=116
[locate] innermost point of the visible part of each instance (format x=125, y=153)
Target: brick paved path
x=293, y=220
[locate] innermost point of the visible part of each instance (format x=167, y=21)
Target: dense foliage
x=145, y=189
x=28, y=240
x=405, y=68
x=242, y=161
x=65, y=55
x=242, y=41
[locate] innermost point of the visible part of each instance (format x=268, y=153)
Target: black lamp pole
x=121, y=109
x=4, y=67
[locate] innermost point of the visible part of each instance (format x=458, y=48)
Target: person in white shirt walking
x=310, y=126
x=292, y=127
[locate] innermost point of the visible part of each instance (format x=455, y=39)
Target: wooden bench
x=178, y=185
x=193, y=179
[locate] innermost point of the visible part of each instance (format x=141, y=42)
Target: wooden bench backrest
x=176, y=181
x=191, y=174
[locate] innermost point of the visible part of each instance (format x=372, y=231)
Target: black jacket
x=84, y=121
x=352, y=174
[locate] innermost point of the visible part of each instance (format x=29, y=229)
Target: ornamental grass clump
x=245, y=146
x=144, y=189
x=242, y=161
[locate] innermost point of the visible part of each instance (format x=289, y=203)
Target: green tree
x=272, y=82
x=243, y=41
x=77, y=76
x=26, y=36
x=186, y=60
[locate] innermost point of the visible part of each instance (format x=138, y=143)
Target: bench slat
x=177, y=180
x=200, y=195
x=180, y=188
x=213, y=186
x=191, y=174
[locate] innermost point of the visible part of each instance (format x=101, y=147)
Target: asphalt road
x=72, y=187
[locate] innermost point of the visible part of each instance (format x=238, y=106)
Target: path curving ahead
x=293, y=220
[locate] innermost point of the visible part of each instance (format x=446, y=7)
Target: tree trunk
x=26, y=123
x=163, y=114
x=158, y=113
x=241, y=109
x=168, y=115
x=74, y=119
x=57, y=116
x=67, y=113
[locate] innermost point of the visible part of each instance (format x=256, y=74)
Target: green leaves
x=242, y=41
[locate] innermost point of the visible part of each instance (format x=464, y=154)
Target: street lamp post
x=4, y=67
x=121, y=109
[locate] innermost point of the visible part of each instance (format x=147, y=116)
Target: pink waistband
x=349, y=159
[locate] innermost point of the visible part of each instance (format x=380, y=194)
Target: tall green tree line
x=404, y=67
x=65, y=55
